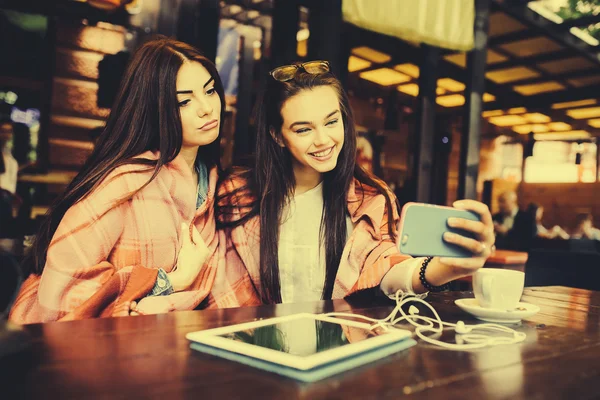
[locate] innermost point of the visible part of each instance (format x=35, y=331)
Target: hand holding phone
x=422, y=229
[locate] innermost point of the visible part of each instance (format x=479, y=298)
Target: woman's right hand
x=192, y=256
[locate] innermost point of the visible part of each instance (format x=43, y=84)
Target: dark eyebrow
x=191, y=91
x=331, y=114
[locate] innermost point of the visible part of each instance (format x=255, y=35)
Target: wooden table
x=148, y=357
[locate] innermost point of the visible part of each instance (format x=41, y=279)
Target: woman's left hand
x=149, y=305
x=481, y=247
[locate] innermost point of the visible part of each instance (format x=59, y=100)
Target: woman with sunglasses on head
x=306, y=223
x=139, y=217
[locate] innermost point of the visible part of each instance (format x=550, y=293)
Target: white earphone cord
x=469, y=341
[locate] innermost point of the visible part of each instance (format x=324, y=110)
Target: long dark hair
x=145, y=116
x=271, y=182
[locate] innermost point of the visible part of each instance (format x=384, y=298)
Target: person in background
x=138, y=219
x=512, y=226
x=584, y=228
x=8, y=179
x=556, y=232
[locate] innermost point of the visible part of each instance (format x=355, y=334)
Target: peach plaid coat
x=102, y=257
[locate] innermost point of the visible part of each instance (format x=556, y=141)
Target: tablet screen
x=302, y=336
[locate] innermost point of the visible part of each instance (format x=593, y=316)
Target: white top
x=302, y=262
x=301, y=258
x=8, y=179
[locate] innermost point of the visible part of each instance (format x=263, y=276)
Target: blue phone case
x=422, y=229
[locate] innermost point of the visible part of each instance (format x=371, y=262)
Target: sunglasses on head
x=288, y=72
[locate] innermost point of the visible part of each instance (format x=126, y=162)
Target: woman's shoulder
x=128, y=175
x=123, y=180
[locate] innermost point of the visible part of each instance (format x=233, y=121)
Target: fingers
x=467, y=225
x=478, y=207
x=470, y=263
x=474, y=246
x=132, y=308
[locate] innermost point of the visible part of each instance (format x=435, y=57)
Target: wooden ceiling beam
x=533, y=20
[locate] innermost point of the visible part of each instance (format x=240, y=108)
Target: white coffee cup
x=498, y=288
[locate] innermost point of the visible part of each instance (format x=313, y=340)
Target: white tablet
x=307, y=347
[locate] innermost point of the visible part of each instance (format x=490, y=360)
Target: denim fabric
x=162, y=286
x=202, y=183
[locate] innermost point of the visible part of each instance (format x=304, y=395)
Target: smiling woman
x=313, y=135
x=306, y=222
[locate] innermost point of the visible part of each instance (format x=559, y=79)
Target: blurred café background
x=496, y=100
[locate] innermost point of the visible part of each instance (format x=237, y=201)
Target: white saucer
x=522, y=310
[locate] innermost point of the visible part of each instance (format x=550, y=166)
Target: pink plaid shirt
x=368, y=255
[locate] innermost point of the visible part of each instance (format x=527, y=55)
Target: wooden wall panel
x=107, y=41
x=77, y=64
x=69, y=132
x=72, y=128
x=76, y=98
x=68, y=154
x=74, y=109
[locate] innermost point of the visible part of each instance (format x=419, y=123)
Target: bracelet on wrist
x=427, y=285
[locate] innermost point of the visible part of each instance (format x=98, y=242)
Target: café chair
x=582, y=245
x=562, y=268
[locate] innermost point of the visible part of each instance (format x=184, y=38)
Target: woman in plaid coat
x=139, y=217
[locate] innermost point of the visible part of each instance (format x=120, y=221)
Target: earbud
x=430, y=329
x=462, y=328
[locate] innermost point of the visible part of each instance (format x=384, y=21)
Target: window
x=556, y=162
x=512, y=161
